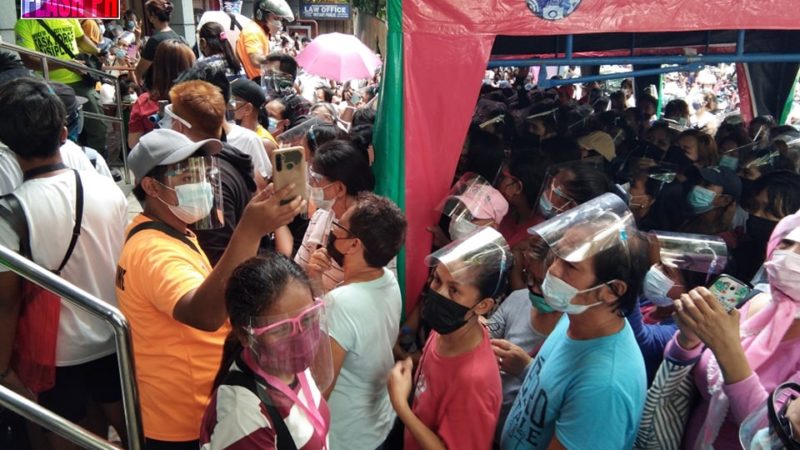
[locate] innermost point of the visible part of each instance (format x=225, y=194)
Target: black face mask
x=335, y=254
x=760, y=229
x=442, y=314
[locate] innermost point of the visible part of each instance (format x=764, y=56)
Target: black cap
x=68, y=97
x=725, y=177
x=249, y=91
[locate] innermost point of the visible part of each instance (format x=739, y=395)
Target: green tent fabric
x=389, y=141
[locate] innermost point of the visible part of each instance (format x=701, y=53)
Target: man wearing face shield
x=252, y=46
x=166, y=286
x=586, y=387
x=456, y=391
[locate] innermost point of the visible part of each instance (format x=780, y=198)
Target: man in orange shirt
x=252, y=47
x=167, y=288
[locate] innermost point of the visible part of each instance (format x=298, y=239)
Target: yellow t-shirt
x=251, y=40
x=175, y=363
x=264, y=134
x=91, y=29
x=30, y=34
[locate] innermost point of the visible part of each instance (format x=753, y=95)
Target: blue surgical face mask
x=546, y=207
x=701, y=200
x=730, y=162
x=272, y=125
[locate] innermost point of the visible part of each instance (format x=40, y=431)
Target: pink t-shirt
x=458, y=397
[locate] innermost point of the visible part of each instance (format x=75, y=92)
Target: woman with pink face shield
x=276, y=361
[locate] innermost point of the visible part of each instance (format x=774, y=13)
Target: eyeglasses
x=169, y=116
x=285, y=328
x=350, y=234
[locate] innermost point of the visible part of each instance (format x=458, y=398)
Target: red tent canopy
x=447, y=44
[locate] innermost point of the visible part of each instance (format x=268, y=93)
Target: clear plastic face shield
x=196, y=184
x=647, y=178
x=554, y=198
x=767, y=428
x=470, y=191
x=290, y=343
x=588, y=229
x=482, y=251
x=692, y=252
x=275, y=83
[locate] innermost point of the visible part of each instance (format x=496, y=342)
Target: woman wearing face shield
x=681, y=263
x=586, y=387
x=456, y=390
x=746, y=352
x=338, y=173
x=276, y=360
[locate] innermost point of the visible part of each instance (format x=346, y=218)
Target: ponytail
x=217, y=42
x=230, y=350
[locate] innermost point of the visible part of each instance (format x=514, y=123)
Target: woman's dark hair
x=321, y=133
x=361, y=137
x=211, y=32
x=380, y=225
x=707, y=152
x=363, y=116
x=211, y=74
x=528, y=169
x=172, y=57
x=783, y=192
x=162, y=9
x=730, y=132
x=627, y=262
x=327, y=93
x=484, y=154
x=491, y=275
x=254, y=287
x=588, y=182
x=339, y=160
x=33, y=117
x=561, y=149
x=676, y=109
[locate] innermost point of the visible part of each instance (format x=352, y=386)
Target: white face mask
x=783, y=272
x=318, y=197
x=559, y=294
x=195, y=201
x=461, y=228
x=656, y=286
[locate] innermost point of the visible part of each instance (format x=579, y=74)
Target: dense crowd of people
x=603, y=274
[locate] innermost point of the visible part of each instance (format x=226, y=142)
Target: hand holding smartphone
x=289, y=166
x=729, y=291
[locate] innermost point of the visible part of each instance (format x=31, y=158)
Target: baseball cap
x=601, y=142
x=162, y=147
x=249, y=91
x=68, y=97
x=484, y=202
x=725, y=177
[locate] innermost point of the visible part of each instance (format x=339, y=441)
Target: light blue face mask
x=272, y=125
x=546, y=207
x=701, y=200
x=730, y=162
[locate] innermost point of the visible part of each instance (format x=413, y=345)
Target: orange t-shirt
x=252, y=39
x=175, y=363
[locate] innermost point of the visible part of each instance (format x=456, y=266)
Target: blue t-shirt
x=590, y=393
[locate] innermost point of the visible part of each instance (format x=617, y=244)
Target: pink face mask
x=783, y=271
x=288, y=346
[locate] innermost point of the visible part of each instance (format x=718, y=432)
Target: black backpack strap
x=284, y=440
x=234, y=23
x=76, y=230
x=11, y=211
x=55, y=37
x=164, y=228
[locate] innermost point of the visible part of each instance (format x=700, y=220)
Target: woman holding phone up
x=746, y=353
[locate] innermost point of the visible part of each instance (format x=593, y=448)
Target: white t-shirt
x=49, y=205
x=248, y=142
x=364, y=319
x=11, y=175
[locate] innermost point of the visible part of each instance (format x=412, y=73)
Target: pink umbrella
x=339, y=57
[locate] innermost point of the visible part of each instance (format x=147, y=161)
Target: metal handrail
x=51, y=421
x=93, y=305
x=44, y=58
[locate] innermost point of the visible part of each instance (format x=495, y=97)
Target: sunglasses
x=308, y=319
